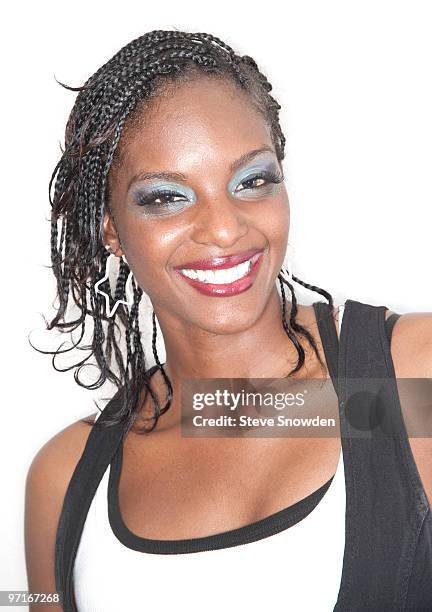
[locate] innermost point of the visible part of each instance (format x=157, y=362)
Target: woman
x=173, y=163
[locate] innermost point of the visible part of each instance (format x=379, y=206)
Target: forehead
x=205, y=121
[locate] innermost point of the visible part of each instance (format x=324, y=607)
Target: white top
x=297, y=569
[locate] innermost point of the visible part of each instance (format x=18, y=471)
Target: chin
x=229, y=320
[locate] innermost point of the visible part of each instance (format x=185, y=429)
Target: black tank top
x=387, y=563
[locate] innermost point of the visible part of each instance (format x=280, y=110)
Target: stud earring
x=128, y=286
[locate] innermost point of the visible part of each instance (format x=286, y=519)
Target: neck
x=192, y=352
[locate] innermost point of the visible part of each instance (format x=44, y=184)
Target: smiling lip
x=226, y=289
x=218, y=263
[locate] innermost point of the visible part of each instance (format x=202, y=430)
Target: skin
x=199, y=130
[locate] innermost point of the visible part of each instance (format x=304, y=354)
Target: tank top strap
x=385, y=508
x=100, y=447
x=329, y=336
x=389, y=324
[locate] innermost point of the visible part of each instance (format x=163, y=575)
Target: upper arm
x=46, y=484
x=411, y=350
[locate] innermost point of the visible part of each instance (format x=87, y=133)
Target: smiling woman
x=173, y=163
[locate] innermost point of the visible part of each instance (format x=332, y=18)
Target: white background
x=354, y=82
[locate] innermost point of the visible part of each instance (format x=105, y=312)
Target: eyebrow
x=178, y=176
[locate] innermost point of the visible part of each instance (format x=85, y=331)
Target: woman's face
x=200, y=179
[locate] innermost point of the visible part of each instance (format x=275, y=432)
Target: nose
x=219, y=221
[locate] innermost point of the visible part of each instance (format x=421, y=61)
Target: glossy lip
x=219, y=263
x=234, y=288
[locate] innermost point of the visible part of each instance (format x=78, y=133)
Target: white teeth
x=221, y=277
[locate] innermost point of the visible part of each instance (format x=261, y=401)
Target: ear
x=111, y=238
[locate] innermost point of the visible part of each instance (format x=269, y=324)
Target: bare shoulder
x=47, y=480
x=411, y=351
x=411, y=345
x=56, y=460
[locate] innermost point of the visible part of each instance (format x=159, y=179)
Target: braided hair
x=108, y=103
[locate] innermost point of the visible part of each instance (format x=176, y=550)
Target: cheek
x=150, y=246
x=276, y=223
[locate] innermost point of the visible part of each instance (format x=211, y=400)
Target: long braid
x=294, y=325
x=107, y=103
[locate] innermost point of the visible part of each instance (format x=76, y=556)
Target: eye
x=262, y=179
x=159, y=198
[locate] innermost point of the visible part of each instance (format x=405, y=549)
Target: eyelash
x=270, y=177
x=149, y=199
